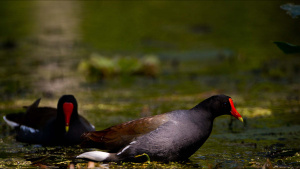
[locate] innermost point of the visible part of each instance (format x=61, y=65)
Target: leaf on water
x=288, y=48
x=293, y=10
x=103, y=67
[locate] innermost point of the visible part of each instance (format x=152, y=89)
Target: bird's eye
x=224, y=104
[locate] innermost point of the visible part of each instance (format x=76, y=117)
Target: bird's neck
x=204, y=122
x=201, y=111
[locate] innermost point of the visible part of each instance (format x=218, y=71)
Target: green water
x=205, y=48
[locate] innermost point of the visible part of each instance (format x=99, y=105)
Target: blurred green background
x=128, y=59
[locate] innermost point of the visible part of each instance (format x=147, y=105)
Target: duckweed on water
x=13, y=162
x=140, y=165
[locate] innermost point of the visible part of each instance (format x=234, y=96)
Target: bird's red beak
x=68, y=109
x=234, y=113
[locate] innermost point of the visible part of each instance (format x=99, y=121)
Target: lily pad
x=288, y=48
x=293, y=10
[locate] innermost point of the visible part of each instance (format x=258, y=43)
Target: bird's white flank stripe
x=123, y=150
x=10, y=123
x=94, y=155
x=126, y=147
x=31, y=130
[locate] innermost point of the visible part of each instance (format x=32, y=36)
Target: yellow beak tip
x=241, y=119
x=67, y=129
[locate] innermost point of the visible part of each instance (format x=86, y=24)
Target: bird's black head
x=220, y=105
x=67, y=109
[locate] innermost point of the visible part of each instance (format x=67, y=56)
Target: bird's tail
x=99, y=156
x=11, y=123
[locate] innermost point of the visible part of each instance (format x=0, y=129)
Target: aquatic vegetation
x=98, y=67
x=288, y=48
x=252, y=112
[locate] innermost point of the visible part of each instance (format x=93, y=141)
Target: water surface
x=204, y=48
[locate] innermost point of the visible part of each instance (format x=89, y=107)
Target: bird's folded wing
x=118, y=136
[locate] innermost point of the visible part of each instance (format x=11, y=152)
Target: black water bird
x=173, y=136
x=49, y=126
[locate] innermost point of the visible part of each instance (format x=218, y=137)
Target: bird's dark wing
x=39, y=117
x=116, y=137
x=36, y=117
x=17, y=119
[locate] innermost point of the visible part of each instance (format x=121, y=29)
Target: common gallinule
x=50, y=126
x=172, y=136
